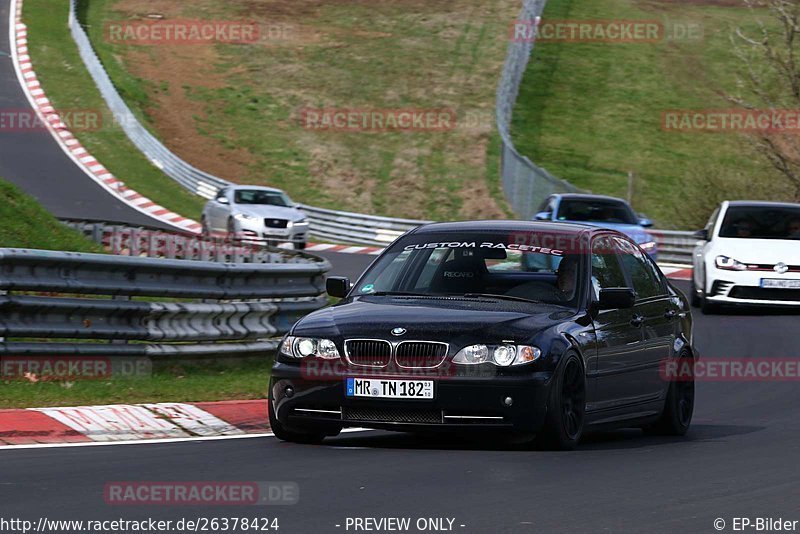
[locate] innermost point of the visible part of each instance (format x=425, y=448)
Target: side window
x=646, y=280
x=606, y=270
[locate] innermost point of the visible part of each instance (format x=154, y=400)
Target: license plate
x=783, y=284
x=389, y=389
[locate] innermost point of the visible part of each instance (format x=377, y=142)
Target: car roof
x=762, y=203
x=509, y=226
x=587, y=196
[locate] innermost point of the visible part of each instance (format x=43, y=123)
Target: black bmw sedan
x=536, y=329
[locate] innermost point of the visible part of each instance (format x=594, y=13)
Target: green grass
x=169, y=383
x=426, y=55
x=591, y=112
x=69, y=87
x=22, y=220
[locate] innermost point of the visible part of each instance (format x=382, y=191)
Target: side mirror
x=644, y=221
x=223, y=200
x=337, y=286
x=616, y=298
x=702, y=235
x=542, y=216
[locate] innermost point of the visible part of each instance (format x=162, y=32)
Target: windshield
x=476, y=266
x=599, y=211
x=761, y=222
x=258, y=196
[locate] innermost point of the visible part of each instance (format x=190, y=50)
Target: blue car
x=602, y=211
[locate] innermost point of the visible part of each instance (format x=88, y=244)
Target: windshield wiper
x=500, y=297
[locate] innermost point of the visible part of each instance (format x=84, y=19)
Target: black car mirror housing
x=616, y=298
x=337, y=286
x=701, y=234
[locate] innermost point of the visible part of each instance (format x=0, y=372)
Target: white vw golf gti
x=749, y=254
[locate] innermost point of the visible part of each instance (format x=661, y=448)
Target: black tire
x=283, y=434
x=205, y=231
x=566, y=407
x=708, y=307
x=678, y=406
x=300, y=245
x=694, y=298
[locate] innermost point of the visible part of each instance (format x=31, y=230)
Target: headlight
x=500, y=355
x=648, y=246
x=245, y=217
x=729, y=264
x=303, y=347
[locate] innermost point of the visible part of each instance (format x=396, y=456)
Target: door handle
x=670, y=314
x=637, y=320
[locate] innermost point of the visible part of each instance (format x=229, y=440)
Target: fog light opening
x=289, y=392
x=508, y=401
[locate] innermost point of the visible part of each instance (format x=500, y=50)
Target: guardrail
x=675, y=246
x=326, y=224
x=124, y=239
x=251, y=304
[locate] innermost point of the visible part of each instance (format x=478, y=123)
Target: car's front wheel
x=566, y=408
x=284, y=434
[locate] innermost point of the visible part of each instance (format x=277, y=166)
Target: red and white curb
x=130, y=422
x=18, y=35
x=343, y=249
x=677, y=272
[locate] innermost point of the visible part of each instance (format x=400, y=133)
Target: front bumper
x=460, y=402
x=744, y=287
x=257, y=230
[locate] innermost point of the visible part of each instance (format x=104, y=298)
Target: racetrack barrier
x=46, y=295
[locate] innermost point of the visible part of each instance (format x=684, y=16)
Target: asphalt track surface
x=738, y=460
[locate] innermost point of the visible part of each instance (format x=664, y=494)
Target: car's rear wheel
x=566, y=408
x=284, y=434
x=300, y=245
x=679, y=404
x=205, y=229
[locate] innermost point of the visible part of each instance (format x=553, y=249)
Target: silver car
x=255, y=213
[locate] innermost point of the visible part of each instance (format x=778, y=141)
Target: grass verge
x=591, y=112
x=169, y=383
x=233, y=110
x=22, y=220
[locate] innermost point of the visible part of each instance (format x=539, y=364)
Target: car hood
x=760, y=251
x=457, y=321
x=634, y=231
x=272, y=212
